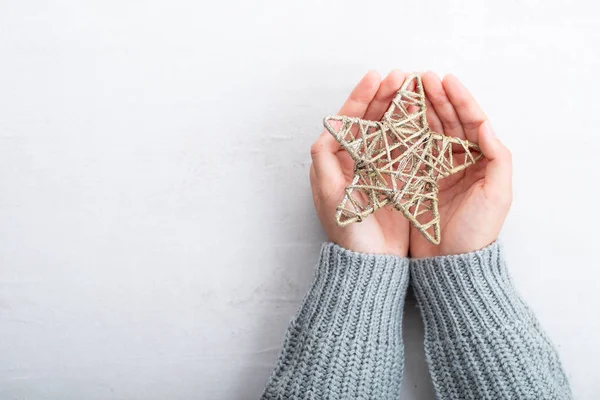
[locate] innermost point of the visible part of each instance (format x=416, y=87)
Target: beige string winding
x=398, y=161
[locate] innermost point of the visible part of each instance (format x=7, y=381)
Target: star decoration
x=398, y=161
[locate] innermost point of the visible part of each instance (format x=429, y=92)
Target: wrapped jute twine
x=398, y=161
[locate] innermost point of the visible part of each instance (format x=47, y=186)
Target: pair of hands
x=472, y=203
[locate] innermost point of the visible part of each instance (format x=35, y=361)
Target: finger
x=498, y=173
x=355, y=106
x=442, y=105
x=357, y=103
x=321, y=194
x=325, y=162
x=383, y=100
x=327, y=169
x=432, y=118
x=385, y=94
x=471, y=116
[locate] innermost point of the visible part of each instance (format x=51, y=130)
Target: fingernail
x=488, y=129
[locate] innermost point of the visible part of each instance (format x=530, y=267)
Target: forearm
x=345, y=341
x=481, y=340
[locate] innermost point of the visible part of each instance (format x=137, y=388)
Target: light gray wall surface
x=156, y=223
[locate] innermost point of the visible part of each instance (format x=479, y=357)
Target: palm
x=460, y=208
x=386, y=230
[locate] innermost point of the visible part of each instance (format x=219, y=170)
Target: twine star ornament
x=398, y=161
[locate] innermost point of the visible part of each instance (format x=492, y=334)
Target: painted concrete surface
x=156, y=223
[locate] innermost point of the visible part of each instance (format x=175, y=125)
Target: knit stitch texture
x=345, y=342
x=481, y=340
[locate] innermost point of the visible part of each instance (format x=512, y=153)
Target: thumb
x=498, y=173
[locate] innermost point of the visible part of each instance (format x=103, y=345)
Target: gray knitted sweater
x=481, y=340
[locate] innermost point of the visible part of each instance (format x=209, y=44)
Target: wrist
x=451, y=247
x=373, y=246
x=366, y=238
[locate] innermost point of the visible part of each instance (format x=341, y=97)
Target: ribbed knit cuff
x=345, y=341
x=481, y=340
x=357, y=295
x=462, y=294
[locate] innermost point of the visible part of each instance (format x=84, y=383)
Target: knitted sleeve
x=345, y=341
x=481, y=340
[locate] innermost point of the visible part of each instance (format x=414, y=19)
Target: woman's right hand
x=385, y=231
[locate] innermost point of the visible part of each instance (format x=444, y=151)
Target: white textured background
x=156, y=224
